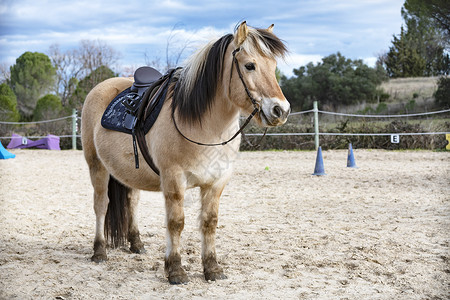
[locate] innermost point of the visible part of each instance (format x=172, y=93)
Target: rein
x=256, y=109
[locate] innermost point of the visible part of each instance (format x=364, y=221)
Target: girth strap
x=151, y=99
x=140, y=138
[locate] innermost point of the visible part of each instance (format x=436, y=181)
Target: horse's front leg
x=208, y=224
x=174, y=196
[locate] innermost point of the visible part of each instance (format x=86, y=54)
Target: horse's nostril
x=277, y=111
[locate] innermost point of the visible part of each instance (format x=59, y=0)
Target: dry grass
x=403, y=89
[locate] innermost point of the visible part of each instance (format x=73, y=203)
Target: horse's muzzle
x=274, y=112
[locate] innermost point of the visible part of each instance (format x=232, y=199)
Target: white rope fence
x=347, y=134
x=37, y=122
x=301, y=112
x=43, y=136
x=385, y=116
x=74, y=134
x=316, y=133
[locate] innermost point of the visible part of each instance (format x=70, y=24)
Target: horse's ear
x=241, y=34
x=270, y=29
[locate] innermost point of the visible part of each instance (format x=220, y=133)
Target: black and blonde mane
x=196, y=88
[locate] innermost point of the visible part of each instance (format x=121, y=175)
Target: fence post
x=316, y=124
x=74, y=129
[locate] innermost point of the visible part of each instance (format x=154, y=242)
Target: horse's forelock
x=264, y=42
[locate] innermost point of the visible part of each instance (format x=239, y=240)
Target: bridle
x=256, y=105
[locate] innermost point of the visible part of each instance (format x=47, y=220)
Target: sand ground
x=381, y=231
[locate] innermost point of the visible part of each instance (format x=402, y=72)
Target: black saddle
x=122, y=113
x=143, y=78
x=135, y=110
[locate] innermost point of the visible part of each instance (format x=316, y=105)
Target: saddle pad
x=116, y=115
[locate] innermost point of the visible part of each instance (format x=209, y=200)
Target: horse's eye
x=250, y=66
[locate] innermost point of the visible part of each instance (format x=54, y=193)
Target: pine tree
x=419, y=50
x=31, y=77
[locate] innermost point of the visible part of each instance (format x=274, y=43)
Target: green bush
x=47, y=108
x=335, y=81
x=8, y=104
x=409, y=107
x=381, y=108
x=442, y=95
x=86, y=85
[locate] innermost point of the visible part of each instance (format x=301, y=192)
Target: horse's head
x=253, y=68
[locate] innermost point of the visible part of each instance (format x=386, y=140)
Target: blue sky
x=311, y=29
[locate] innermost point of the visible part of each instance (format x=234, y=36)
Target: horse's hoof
x=140, y=250
x=213, y=276
x=178, y=277
x=174, y=270
x=211, y=269
x=99, y=258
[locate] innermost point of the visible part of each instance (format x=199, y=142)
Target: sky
x=139, y=30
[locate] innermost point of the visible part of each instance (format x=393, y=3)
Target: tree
x=93, y=54
x=173, y=56
x=67, y=72
x=86, y=84
x=8, y=104
x=419, y=50
x=297, y=89
x=278, y=74
x=175, y=49
x=436, y=12
x=334, y=81
x=32, y=76
x=428, y=24
x=73, y=65
x=442, y=94
x=5, y=74
x=47, y=108
x=403, y=59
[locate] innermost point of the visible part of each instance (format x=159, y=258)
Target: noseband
x=256, y=105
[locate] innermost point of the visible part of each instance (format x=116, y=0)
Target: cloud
x=370, y=61
x=311, y=29
x=295, y=60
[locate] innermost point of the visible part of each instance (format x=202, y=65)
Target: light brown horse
x=219, y=82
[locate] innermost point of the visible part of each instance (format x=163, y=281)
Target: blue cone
x=350, y=158
x=5, y=154
x=319, y=169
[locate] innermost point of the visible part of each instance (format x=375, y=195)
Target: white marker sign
x=395, y=138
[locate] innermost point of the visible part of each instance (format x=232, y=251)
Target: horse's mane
x=196, y=87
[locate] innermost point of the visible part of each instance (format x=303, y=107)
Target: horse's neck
x=222, y=120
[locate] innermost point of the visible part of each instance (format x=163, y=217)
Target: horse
x=231, y=75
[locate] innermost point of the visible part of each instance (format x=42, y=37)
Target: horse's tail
x=116, y=221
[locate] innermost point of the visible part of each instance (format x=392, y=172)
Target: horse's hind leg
x=208, y=224
x=136, y=245
x=99, y=179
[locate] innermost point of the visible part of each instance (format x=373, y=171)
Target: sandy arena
x=381, y=231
